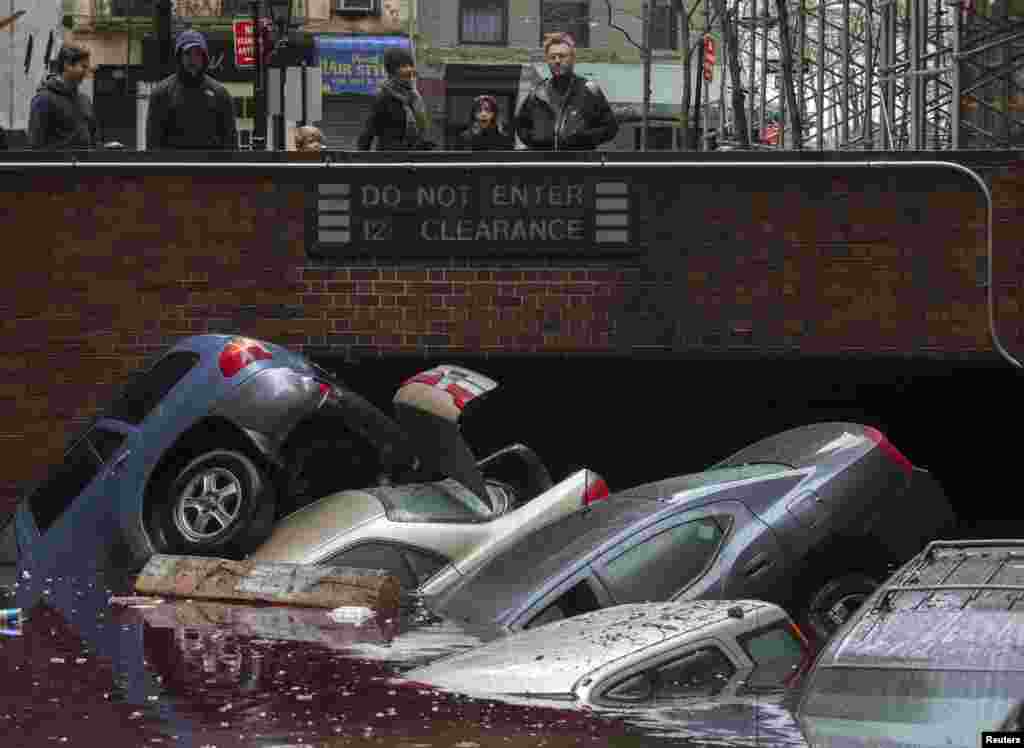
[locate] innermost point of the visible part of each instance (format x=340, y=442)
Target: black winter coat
x=185, y=116
x=475, y=138
x=585, y=121
x=387, y=125
x=61, y=118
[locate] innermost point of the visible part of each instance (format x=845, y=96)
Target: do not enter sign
x=245, y=42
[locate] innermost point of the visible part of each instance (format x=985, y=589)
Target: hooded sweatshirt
x=190, y=112
x=61, y=118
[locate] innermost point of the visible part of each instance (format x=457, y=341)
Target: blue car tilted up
x=199, y=455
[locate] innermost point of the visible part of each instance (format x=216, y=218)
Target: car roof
x=501, y=587
x=299, y=535
x=805, y=445
x=956, y=605
x=552, y=658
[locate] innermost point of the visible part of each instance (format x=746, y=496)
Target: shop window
x=483, y=22
x=561, y=16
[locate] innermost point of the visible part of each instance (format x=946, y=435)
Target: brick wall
x=106, y=271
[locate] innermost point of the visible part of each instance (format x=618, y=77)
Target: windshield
x=506, y=582
x=908, y=703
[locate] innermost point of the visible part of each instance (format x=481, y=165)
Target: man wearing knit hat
x=190, y=110
x=399, y=119
x=565, y=112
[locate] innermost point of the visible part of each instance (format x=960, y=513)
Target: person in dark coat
x=399, y=120
x=565, y=112
x=189, y=110
x=61, y=118
x=486, y=133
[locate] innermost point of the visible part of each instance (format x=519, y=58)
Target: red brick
x=461, y=276
x=340, y=286
x=365, y=275
x=506, y=276
x=430, y=288
x=366, y=301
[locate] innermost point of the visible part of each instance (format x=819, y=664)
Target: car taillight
x=239, y=353
x=799, y=635
x=889, y=450
x=596, y=489
x=423, y=378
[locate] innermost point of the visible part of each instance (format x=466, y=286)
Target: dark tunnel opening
x=636, y=420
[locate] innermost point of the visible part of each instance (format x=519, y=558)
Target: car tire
x=834, y=602
x=218, y=504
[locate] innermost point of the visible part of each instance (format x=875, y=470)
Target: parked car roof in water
x=613, y=657
x=933, y=657
x=740, y=530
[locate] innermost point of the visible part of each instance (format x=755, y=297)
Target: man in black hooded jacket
x=190, y=110
x=60, y=117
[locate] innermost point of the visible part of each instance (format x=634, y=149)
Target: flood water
x=83, y=671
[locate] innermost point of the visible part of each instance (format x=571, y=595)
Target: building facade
x=468, y=38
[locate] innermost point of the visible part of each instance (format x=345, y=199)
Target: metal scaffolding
x=884, y=74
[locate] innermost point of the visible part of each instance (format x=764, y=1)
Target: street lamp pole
x=259, y=131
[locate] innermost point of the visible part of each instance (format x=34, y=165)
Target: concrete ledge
x=251, y=581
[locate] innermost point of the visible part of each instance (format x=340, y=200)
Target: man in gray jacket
x=190, y=110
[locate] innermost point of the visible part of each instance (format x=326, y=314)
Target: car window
x=147, y=389
x=777, y=645
x=701, y=673
x=442, y=501
x=105, y=442
x=65, y=482
x=661, y=565
x=411, y=566
x=581, y=598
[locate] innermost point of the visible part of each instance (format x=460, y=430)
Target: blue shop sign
x=354, y=64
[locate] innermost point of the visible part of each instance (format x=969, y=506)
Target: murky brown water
x=84, y=672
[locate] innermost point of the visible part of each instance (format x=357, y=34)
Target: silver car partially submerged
x=431, y=534
x=639, y=655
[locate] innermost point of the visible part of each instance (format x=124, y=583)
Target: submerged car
x=636, y=655
x=431, y=534
x=201, y=453
x=933, y=658
x=428, y=535
x=808, y=519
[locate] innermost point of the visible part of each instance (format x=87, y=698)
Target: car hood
x=428, y=407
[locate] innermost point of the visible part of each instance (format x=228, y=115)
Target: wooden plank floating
x=268, y=582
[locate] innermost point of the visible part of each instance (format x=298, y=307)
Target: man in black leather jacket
x=190, y=110
x=565, y=112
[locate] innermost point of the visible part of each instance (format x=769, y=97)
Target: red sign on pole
x=245, y=44
x=709, y=56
